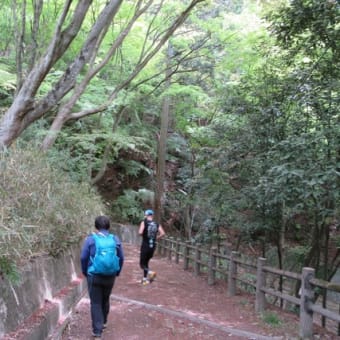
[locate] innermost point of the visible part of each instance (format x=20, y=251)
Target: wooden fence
x=246, y=273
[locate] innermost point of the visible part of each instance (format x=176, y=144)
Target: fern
x=129, y=206
x=7, y=79
x=94, y=144
x=133, y=168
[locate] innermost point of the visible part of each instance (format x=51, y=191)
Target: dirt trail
x=177, y=305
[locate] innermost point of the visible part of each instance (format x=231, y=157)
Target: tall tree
x=27, y=107
x=163, y=137
x=65, y=110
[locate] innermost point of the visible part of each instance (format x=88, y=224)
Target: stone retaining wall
x=41, y=282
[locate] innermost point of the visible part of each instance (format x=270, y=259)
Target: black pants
x=146, y=254
x=99, y=288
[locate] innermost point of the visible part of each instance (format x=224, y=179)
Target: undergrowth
x=271, y=319
x=42, y=210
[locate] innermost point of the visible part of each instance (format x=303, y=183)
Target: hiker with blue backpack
x=102, y=260
x=150, y=231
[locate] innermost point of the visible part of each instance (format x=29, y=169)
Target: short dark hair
x=102, y=222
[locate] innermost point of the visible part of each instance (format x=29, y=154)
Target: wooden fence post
x=260, y=282
x=159, y=247
x=232, y=273
x=165, y=247
x=186, y=251
x=197, y=265
x=306, y=299
x=212, y=266
x=170, y=248
x=162, y=245
x=178, y=249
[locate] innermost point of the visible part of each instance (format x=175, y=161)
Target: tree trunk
x=38, y=6
x=190, y=207
x=163, y=137
x=20, y=29
x=280, y=248
x=325, y=270
x=23, y=110
x=53, y=132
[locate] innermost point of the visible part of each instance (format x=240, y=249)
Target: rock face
x=48, y=290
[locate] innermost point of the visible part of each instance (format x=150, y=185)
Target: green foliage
x=303, y=178
x=178, y=146
x=336, y=240
x=6, y=27
x=42, y=210
x=271, y=319
x=309, y=25
x=92, y=136
x=132, y=168
x=8, y=269
x=267, y=158
x=7, y=79
x=7, y=84
x=128, y=207
x=294, y=257
x=251, y=278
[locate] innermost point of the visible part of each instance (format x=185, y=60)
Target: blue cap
x=148, y=212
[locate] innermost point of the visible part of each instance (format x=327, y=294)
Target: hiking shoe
x=145, y=281
x=96, y=336
x=104, y=325
x=152, y=276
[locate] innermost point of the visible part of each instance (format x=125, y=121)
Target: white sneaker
x=145, y=281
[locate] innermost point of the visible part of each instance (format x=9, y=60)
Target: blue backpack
x=105, y=260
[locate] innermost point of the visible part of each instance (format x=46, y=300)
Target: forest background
x=222, y=115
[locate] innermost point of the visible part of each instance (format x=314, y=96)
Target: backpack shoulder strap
x=96, y=240
x=113, y=239
x=96, y=237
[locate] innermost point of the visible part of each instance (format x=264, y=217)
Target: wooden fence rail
x=236, y=270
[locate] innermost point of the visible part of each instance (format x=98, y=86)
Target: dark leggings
x=146, y=253
x=99, y=288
